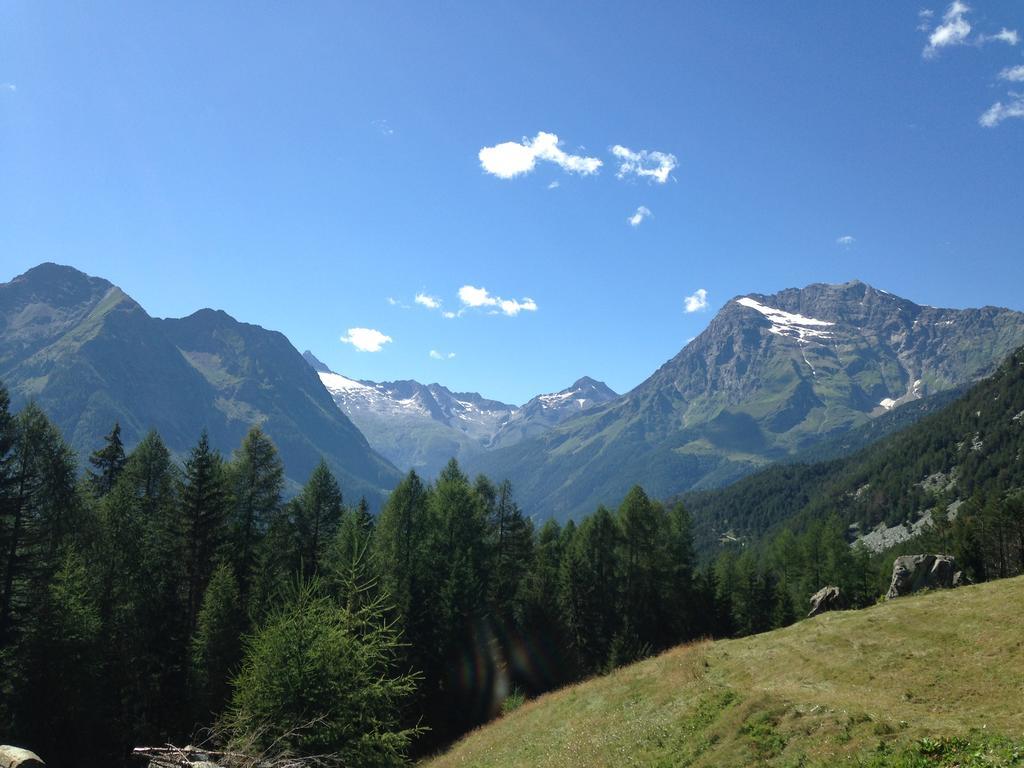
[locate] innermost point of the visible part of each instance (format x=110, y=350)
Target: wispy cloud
x=475, y=298
x=9, y=87
x=644, y=163
x=434, y=354
x=998, y=112
x=1004, y=35
x=955, y=30
x=697, y=302
x=1013, y=74
x=383, y=127
x=637, y=218
x=846, y=240
x=366, y=339
x=428, y=301
x=510, y=159
x=554, y=184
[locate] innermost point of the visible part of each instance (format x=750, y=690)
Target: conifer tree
x=204, y=506
x=256, y=477
x=41, y=511
x=317, y=514
x=590, y=590
x=58, y=674
x=107, y=462
x=320, y=679
x=217, y=642
x=512, y=535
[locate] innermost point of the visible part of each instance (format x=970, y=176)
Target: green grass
x=933, y=680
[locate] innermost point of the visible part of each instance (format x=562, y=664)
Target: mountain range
x=771, y=376
x=90, y=355
x=422, y=426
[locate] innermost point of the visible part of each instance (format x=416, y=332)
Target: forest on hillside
x=143, y=602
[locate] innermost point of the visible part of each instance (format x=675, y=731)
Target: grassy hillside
x=935, y=679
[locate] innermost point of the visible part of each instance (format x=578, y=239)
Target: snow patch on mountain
x=788, y=324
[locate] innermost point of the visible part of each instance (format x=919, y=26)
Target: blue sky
x=297, y=165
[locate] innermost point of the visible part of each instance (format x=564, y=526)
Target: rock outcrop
x=827, y=599
x=911, y=573
x=16, y=757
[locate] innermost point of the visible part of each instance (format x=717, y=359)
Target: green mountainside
x=969, y=452
x=934, y=679
x=90, y=356
x=770, y=378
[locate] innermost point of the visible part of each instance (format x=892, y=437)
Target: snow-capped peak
x=335, y=382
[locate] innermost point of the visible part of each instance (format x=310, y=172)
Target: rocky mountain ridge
x=771, y=375
x=422, y=426
x=90, y=355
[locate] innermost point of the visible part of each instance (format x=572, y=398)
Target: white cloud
x=474, y=297
x=953, y=30
x=998, y=112
x=428, y=301
x=925, y=13
x=366, y=339
x=449, y=315
x=641, y=213
x=9, y=87
x=846, y=240
x=650, y=164
x=511, y=307
x=435, y=355
x=554, y=184
x=383, y=127
x=1013, y=74
x=1004, y=35
x=697, y=302
x=510, y=159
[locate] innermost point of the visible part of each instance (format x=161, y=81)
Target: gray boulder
x=16, y=757
x=911, y=573
x=828, y=598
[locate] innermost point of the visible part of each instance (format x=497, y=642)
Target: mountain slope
x=968, y=451
x=90, y=355
x=771, y=376
x=422, y=426
x=851, y=688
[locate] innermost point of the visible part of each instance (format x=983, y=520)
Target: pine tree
x=400, y=543
x=644, y=566
x=257, y=477
x=317, y=514
x=204, y=506
x=512, y=535
x=216, y=644
x=108, y=462
x=679, y=617
x=320, y=679
x=41, y=511
x=591, y=590
x=59, y=675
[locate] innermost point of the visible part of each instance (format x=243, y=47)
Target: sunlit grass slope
x=935, y=679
